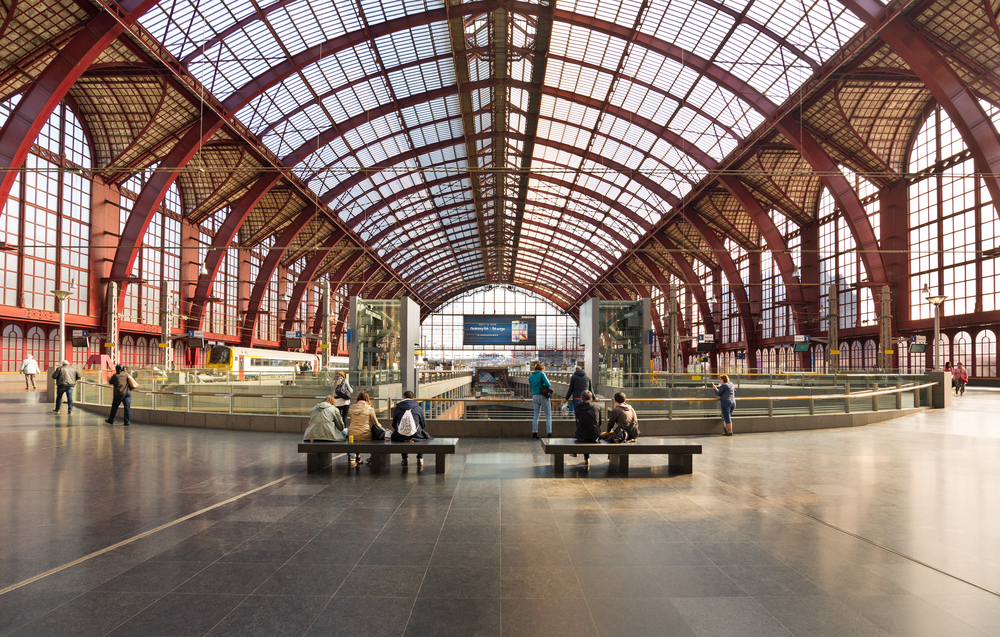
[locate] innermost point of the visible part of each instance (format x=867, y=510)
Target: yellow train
x=247, y=362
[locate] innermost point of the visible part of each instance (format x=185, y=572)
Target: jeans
x=406, y=456
x=728, y=407
x=125, y=400
x=576, y=403
x=68, y=391
x=541, y=402
x=586, y=456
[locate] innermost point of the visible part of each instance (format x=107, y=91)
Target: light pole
x=62, y=295
x=936, y=301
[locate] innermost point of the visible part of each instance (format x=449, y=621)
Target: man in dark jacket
x=65, y=377
x=409, y=404
x=579, y=382
x=588, y=422
x=122, y=395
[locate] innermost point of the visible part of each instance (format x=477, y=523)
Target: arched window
x=945, y=351
x=54, y=349
x=819, y=359
x=845, y=356
x=154, y=357
x=127, y=356
x=178, y=350
x=13, y=348
x=857, y=356
x=870, y=358
x=760, y=361
x=37, y=345
x=952, y=221
x=961, y=350
x=986, y=355
x=903, y=352
x=141, y=353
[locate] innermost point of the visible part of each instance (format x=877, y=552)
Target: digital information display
x=498, y=330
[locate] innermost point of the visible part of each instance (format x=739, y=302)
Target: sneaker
x=55, y=411
x=405, y=463
x=70, y=411
x=420, y=462
x=127, y=424
x=110, y=422
x=550, y=435
x=534, y=435
x=586, y=464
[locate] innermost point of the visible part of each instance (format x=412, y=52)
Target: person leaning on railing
x=540, y=386
x=727, y=400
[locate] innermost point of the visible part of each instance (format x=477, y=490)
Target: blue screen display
x=498, y=330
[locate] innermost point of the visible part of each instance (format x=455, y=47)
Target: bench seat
x=320, y=454
x=679, y=452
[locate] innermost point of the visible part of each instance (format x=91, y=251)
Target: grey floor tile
x=735, y=617
x=627, y=615
x=89, y=614
x=331, y=552
x=695, y=581
x=454, y=617
x=22, y=605
x=771, y=580
x=468, y=554
x=468, y=532
x=304, y=579
x=670, y=554
x=153, y=577
x=820, y=616
x=353, y=616
x=979, y=611
x=405, y=533
x=650, y=533
x=263, y=552
x=535, y=554
x=909, y=615
x=736, y=553
x=260, y=616
x=550, y=617
x=227, y=578
x=614, y=554
x=398, y=554
x=179, y=615
x=540, y=582
x=383, y=581
x=461, y=583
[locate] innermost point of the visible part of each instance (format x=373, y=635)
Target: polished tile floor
x=885, y=530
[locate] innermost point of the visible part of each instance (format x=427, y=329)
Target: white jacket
x=29, y=366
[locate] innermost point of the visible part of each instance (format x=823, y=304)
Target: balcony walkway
x=886, y=529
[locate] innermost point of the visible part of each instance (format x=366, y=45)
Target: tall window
x=732, y=328
x=48, y=213
x=986, y=355
x=952, y=220
x=441, y=332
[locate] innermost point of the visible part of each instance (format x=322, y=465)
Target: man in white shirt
x=29, y=367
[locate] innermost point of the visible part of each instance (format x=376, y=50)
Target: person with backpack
x=541, y=394
x=623, y=424
x=408, y=423
x=588, y=423
x=579, y=382
x=122, y=395
x=342, y=391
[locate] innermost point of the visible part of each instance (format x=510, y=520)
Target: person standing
x=579, y=382
x=325, y=422
x=727, y=401
x=66, y=377
x=540, y=401
x=342, y=394
x=408, y=404
x=122, y=395
x=588, y=423
x=362, y=418
x=29, y=367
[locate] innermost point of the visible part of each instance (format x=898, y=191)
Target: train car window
x=219, y=356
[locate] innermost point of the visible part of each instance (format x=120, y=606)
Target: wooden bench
x=320, y=454
x=678, y=452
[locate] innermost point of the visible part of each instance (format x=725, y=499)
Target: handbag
x=132, y=384
x=378, y=433
x=547, y=392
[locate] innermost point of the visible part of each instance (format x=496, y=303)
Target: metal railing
x=899, y=396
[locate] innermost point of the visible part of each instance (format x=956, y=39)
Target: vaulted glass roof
x=528, y=142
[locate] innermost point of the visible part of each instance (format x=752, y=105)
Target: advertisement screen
x=498, y=330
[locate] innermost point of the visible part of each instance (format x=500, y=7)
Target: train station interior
x=228, y=224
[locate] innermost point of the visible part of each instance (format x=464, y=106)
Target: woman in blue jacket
x=538, y=380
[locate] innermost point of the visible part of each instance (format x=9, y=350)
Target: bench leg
x=623, y=464
x=558, y=464
x=379, y=462
x=681, y=462
x=613, y=460
x=318, y=461
x=440, y=462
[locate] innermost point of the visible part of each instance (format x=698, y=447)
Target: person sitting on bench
x=325, y=422
x=415, y=421
x=623, y=424
x=588, y=423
